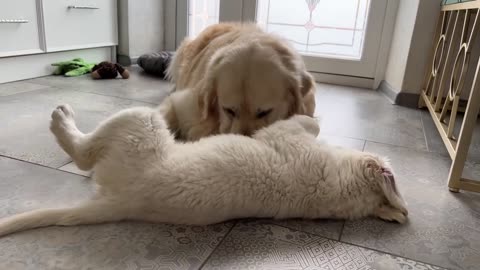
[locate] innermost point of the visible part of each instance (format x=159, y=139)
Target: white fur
x=283, y=171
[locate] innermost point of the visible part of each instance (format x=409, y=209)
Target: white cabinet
x=19, y=31
x=74, y=24
x=36, y=33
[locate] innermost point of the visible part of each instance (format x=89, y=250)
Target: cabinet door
x=19, y=33
x=76, y=24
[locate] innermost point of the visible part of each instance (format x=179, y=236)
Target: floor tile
x=25, y=117
x=330, y=229
x=7, y=89
x=140, y=86
x=443, y=227
x=72, y=168
x=263, y=246
x=435, y=144
x=367, y=115
x=125, y=245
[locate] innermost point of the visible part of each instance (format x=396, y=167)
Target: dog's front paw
x=391, y=214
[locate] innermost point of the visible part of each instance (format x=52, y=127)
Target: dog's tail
x=88, y=213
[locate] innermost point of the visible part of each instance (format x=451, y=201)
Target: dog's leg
x=75, y=143
x=91, y=212
x=389, y=213
x=140, y=130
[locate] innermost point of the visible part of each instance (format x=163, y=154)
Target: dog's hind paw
x=63, y=112
x=62, y=121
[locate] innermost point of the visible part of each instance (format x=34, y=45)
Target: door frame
x=176, y=24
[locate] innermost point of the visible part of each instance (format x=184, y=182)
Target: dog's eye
x=262, y=114
x=230, y=112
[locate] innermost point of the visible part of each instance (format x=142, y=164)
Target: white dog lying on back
x=283, y=171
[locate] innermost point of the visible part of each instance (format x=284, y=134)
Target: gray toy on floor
x=155, y=63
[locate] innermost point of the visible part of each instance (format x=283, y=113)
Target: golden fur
x=235, y=78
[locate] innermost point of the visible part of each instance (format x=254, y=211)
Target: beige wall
x=411, y=44
x=141, y=27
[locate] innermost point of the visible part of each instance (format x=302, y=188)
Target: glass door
x=338, y=37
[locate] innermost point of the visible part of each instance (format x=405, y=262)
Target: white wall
x=412, y=43
x=421, y=46
x=141, y=27
x=401, y=41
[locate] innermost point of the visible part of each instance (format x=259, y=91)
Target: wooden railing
x=451, y=89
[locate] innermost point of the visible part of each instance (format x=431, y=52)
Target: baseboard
x=399, y=98
x=37, y=65
x=126, y=60
x=343, y=80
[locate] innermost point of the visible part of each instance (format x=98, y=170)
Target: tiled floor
x=443, y=231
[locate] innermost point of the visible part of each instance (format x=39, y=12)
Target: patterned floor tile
x=125, y=245
x=263, y=246
x=443, y=227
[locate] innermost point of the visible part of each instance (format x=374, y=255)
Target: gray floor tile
x=434, y=141
x=263, y=246
x=443, y=227
x=435, y=145
x=125, y=245
x=7, y=89
x=140, y=86
x=343, y=142
x=25, y=117
x=367, y=115
x=71, y=167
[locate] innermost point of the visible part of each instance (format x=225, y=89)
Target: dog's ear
x=307, y=82
x=207, y=98
x=296, y=104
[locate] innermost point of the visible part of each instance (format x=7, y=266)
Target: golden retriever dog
x=235, y=78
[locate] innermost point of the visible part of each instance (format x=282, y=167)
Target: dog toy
x=155, y=63
x=75, y=67
x=108, y=70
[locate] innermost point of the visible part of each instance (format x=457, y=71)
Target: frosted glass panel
x=201, y=13
x=329, y=28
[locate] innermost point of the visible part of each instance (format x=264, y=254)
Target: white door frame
x=176, y=24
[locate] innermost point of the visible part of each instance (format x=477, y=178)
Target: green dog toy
x=73, y=68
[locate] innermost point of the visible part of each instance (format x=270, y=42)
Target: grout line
x=64, y=164
x=41, y=165
x=364, y=247
x=392, y=254
x=123, y=98
x=286, y=227
x=29, y=162
x=218, y=245
x=341, y=231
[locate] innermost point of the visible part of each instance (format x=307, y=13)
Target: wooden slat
x=469, y=185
